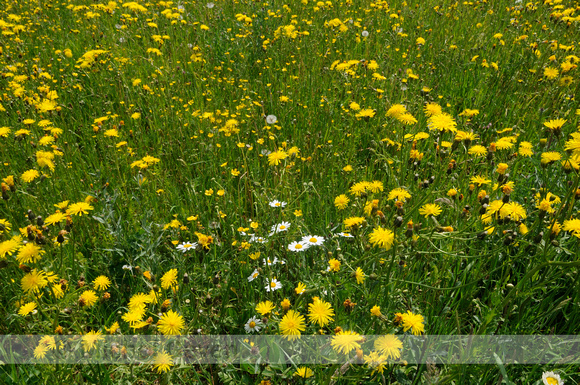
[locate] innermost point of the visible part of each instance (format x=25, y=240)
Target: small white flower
x=185, y=246
x=345, y=235
x=253, y=325
x=551, y=378
x=128, y=267
x=271, y=119
x=365, y=33
x=313, y=240
x=210, y=5
x=298, y=246
x=270, y=262
x=276, y=203
x=280, y=227
x=253, y=276
x=257, y=239
x=273, y=285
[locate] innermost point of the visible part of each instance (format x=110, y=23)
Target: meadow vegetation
x=344, y=168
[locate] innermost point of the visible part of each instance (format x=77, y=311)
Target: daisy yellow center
x=298, y=246
x=255, y=275
x=282, y=227
x=313, y=240
x=277, y=204
x=272, y=284
x=252, y=324
x=552, y=381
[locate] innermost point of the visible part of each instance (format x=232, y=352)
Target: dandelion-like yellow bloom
x=292, y=324
x=320, y=312
x=265, y=307
x=33, y=281
x=573, y=226
x=27, y=309
x=276, y=157
x=169, y=279
x=9, y=247
x=345, y=341
x=170, y=323
x=30, y=175
x=389, y=345
x=376, y=311
x=376, y=361
x=382, y=238
x=354, y=221
x=101, y=282
x=300, y=288
x=413, y=321
x=90, y=340
x=341, y=202
x=304, y=372
x=88, y=298
x=29, y=253
x=442, y=122
x=79, y=208
x=162, y=362
x=334, y=264
x=430, y=209
x=550, y=157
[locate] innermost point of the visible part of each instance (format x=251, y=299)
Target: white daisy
x=253, y=325
x=270, y=262
x=313, y=240
x=346, y=235
x=280, y=227
x=273, y=285
x=184, y=246
x=276, y=203
x=551, y=378
x=298, y=246
x=253, y=276
x=257, y=239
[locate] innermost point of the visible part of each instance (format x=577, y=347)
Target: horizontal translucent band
x=274, y=349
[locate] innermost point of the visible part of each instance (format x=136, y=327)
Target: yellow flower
x=359, y=275
x=442, y=122
x=376, y=311
x=162, y=362
x=345, y=341
x=341, y=202
x=29, y=253
x=334, y=264
x=320, y=312
x=265, y=307
x=33, y=281
x=301, y=288
x=90, y=340
x=88, y=298
x=304, y=372
x=30, y=175
x=389, y=345
x=170, y=323
x=413, y=321
x=292, y=324
x=430, y=209
x=276, y=157
x=27, y=309
x=551, y=73
x=101, y=282
x=79, y=208
x=169, y=279
x=382, y=238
